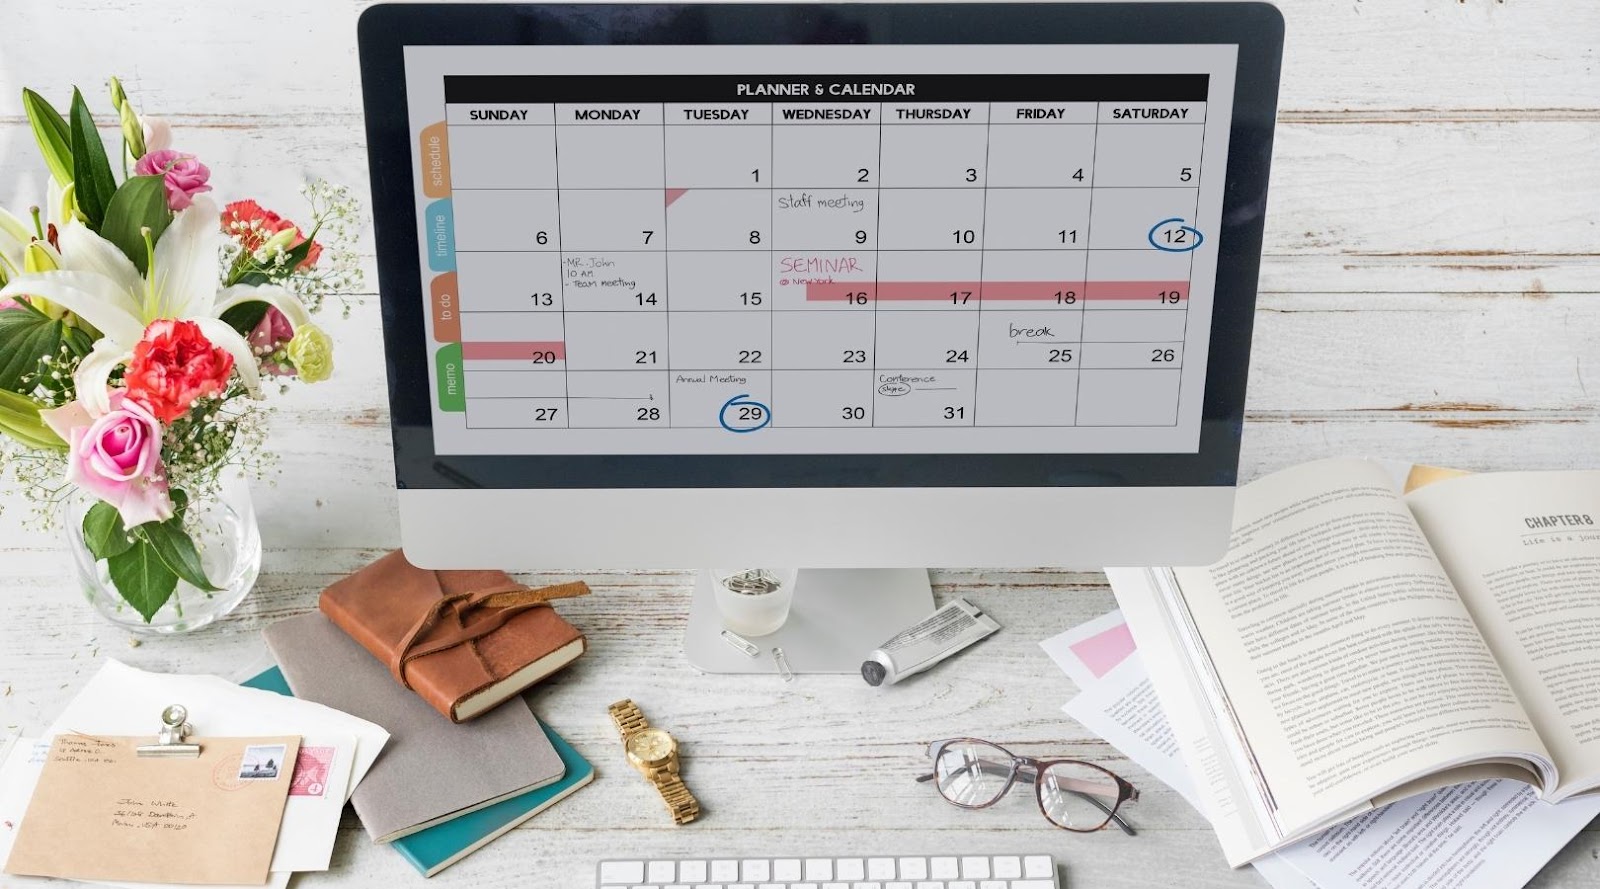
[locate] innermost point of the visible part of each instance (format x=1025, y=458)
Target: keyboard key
x=836, y=886
x=661, y=872
x=994, y=884
x=622, y=872
x=963, y=884
x=880, y=868
x=944, y=869
x=850, y=869
x=755, y=870
x=786, y=870
x=914, y=868
x=930, y=885
x=900, y=884
x=820, y=869
x=975, y=868
x=724, y=871
x=692, y=871
x=1038, y=866
x=1008, y=867
x=872, y=885
x=1033, y=884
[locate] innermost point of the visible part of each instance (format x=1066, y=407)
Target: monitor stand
x=838, y=616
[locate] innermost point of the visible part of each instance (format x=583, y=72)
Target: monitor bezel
x=384, y=30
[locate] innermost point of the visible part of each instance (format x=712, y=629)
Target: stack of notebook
x=441, y=790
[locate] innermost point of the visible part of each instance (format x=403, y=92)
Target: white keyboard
x=913, y=872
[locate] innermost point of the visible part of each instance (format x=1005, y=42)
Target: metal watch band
x=680, y=802
x=629, y=720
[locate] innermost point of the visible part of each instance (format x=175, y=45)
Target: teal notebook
x=435, y=848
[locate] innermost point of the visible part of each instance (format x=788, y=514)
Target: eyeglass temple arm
x=1125, y=826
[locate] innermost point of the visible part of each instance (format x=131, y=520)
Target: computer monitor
x=818, y=285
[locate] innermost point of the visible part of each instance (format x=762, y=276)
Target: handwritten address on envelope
x=100, y=812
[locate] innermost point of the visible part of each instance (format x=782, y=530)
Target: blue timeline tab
x=439, y=224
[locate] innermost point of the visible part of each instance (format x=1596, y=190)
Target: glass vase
x=229, y=542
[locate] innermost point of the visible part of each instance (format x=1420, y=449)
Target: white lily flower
x=102, y=286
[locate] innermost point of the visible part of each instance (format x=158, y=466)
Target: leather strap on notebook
x=507, y=602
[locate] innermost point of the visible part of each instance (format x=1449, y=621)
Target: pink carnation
x=185, y=175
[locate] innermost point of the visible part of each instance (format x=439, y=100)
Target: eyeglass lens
x=1078, y=796
x=972, y=773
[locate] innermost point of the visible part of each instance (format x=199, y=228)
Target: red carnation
x=174, y=366
x=252, y=224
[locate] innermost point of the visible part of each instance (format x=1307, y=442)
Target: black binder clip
x=173, y=741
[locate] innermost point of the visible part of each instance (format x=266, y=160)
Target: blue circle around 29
x=754, y=412
x=1176, y=247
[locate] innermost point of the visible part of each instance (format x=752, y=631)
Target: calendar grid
x=1088, y=239
x=983, y=245
x=561, y=272
x=877, y=266
x=1020, y=334
x=666, y=264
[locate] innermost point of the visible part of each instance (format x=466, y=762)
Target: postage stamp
x=311, y=769
x=261, y=762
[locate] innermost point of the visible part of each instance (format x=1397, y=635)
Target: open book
x=1358, y=645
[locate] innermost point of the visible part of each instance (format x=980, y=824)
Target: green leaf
x=176, y=550
x=19, y=418
x=91, y=170
x=144, y=581
x=52, y=134
x=245, y=316
x=26, y=337
x=104, y=533
x=141, y=202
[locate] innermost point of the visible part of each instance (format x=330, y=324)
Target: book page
x=1524, y=550
x=1340, y=649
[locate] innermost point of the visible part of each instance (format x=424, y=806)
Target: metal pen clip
x=173, y=740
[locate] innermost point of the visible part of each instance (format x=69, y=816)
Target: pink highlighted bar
x=1152, y=290
x=966, y=292
x=538, y=352
x=839, y=291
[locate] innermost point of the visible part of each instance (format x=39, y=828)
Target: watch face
x=651, y=745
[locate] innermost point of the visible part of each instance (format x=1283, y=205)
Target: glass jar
x=229, y=543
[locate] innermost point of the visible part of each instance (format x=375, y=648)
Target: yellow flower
x=311, y=352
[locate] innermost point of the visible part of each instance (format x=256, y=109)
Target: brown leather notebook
x=464, y=641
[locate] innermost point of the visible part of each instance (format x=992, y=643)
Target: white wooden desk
x=1431, y=291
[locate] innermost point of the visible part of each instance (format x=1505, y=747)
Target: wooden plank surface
x=1430, y=291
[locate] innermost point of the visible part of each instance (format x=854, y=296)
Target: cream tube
x=950, y=629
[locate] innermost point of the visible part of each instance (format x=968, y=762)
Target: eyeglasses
x=1073, y=795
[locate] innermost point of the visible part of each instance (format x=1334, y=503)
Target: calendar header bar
x=517, y=88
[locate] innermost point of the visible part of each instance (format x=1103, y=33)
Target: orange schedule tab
x=435, y=155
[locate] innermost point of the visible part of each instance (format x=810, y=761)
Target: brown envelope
x=102, y=812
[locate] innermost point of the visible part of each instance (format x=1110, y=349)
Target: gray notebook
x=432, y=769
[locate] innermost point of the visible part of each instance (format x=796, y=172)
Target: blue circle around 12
x=1184, y=248
x=744, y=400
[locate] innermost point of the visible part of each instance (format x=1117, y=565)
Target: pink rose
x=270, y=335
x=116, y=457
x=185, y=175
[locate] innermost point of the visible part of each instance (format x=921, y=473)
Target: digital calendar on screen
x=818, y=249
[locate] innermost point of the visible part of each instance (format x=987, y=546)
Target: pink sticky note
x=1105, y=649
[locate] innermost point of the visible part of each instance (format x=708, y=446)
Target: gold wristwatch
x=654, y=753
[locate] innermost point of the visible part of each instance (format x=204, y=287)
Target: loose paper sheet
x=102, y=812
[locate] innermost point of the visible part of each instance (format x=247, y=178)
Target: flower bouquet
x=137, y=324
